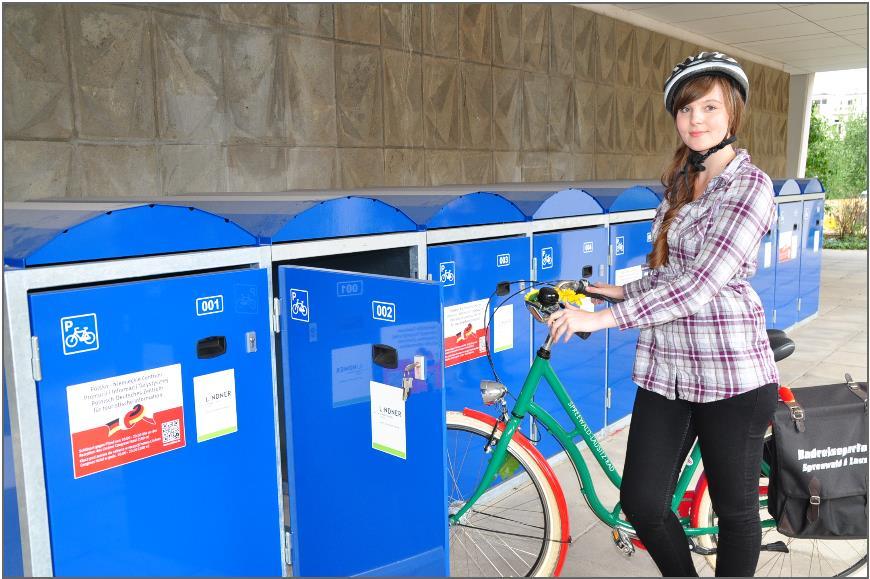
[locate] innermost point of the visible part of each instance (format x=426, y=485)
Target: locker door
x=366, y=469
x=788, y=264
x=158, y=426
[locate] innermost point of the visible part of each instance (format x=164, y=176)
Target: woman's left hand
x=566, y=322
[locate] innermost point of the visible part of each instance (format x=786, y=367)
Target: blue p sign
x=79, y=334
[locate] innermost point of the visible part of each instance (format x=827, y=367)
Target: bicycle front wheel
x=515, y=527
x=783, y=556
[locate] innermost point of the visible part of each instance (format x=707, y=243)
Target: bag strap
x=797, y=413
x=815, y=488
x=856, y=389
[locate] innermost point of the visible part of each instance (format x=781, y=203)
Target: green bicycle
x=507, y=512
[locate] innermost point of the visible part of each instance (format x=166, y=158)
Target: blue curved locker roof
x=442, y=211
x=567, y=202
x=618, y=199
x=783, y=187
x=53, y=233
x=283, y=220
x=811, y=185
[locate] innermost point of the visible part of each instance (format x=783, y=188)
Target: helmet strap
x=696, y=160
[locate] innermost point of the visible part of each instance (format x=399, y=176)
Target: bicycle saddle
x=782, y=345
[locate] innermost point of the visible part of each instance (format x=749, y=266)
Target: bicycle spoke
x=514, y=571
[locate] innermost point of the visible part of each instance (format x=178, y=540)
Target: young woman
x=703, y=364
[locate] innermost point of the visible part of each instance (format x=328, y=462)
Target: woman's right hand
x=606, y=289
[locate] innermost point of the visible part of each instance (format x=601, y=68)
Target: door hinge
x=288, y=549
x=799, y=304
x=36, y=364
x=610, y=255
x=535, y=265
x=276, y=315
x=608, y=398
x=774, y=316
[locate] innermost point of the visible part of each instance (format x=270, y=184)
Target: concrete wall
x=108, y=100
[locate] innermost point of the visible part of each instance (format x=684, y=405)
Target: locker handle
x=794, y=227
x=211, y=347
x=817, y=221
x=385, y=356
x=587, y=271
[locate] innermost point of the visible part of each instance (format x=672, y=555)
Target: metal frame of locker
x=50, y=251
x=812, y=241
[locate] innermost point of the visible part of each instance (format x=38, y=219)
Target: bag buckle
x=815, y=501
x=797, y=413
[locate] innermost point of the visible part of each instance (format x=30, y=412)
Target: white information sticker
x=815, y=241
x=768, y=254
x=795, y=245
x=784, y=253
x=503, y=328
x=388, y=419
x=215, y=396
x=465, y=332
x=628, y=274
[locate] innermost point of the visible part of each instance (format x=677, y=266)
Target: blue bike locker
x=154, y=393
x=788, y=244
x=812, y=240
x=764, y=280
x=569, y=242
x=631, y=212
x=366, y=468
x=463, y=256
x=13, y=564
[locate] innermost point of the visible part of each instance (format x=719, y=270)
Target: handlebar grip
x=603, y=297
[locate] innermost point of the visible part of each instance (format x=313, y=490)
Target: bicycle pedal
x=696, y=548
x=777, y=547
x=622, y=542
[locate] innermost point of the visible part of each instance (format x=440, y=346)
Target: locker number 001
x=384, y=311
x=209, y=305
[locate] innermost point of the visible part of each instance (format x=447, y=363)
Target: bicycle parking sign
x=299, y=310
x=79, y=334
x=447, y=273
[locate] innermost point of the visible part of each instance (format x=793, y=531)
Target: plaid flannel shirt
x=702, y=327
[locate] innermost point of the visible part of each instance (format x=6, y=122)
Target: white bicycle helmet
x=705, y=63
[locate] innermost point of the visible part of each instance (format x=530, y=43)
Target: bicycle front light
x=491, y=391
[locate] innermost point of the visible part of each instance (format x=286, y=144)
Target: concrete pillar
x=800, y=96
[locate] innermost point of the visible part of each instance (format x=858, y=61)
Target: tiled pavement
x=827, y=346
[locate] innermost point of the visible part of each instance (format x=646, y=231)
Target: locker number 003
x=384, y=311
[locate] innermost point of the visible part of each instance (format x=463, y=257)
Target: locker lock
x=408, y=379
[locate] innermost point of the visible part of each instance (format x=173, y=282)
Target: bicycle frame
x=542, y=370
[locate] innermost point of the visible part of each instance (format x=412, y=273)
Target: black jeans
x=731, y=434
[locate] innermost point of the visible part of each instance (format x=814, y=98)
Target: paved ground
x=826, y=347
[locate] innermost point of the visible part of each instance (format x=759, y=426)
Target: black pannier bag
x=818, y=459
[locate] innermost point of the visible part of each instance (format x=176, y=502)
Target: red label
x=114, y=444
x=466, y=346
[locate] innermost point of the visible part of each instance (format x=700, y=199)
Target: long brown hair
x=679, y=190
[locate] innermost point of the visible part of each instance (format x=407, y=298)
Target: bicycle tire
x=805, y=557
x=491, y=539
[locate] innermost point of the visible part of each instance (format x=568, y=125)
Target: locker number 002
x=384, y=311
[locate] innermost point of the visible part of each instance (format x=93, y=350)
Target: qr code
x=171, y=431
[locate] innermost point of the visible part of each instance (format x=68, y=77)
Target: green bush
x=854, y=242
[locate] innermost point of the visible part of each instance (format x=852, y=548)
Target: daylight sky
x=841, y=82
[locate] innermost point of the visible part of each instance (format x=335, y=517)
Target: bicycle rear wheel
x=783, y=556
x=515, y=528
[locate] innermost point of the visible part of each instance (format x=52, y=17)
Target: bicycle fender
x=700, y=489
x=545, y=467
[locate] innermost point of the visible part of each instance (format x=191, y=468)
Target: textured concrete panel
x=37, y=100
x=507, y=35
x=118, y=171
x=624, y=132
x=402, y=26
x=404, y=168
x=562, y=46
x=535, y=166
x=613, y=166
x=626, y=58
x=678, y=51
x=536, y=37
x=477, y=167
x=36, y=170
x=441, y=29
x=605, y=56
x=561, y=115
x=358, y=22
x=561, y=166
x=584, y=122
x=475, y=33
x=585, y=44
x=642, y=58
x=535, y=103
x=647, y=167
x=192, y=169
x=443, y=168
x=361, y=167
x=358, y=95
x=403, y=99
x=256, y=13
x=312, y=168
x=256, y=169
x=665, y=132
x=476, y=106
x=644, y=138
x=605, y=119
x=507, y=167
x=201, y=9
x=310, y=108
x=661, y=64
x=441, y=102
x=584, y=167
x=111, y=49
x=254, y=86
x=189, y=79
x=316, y=19
x=507, y=109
